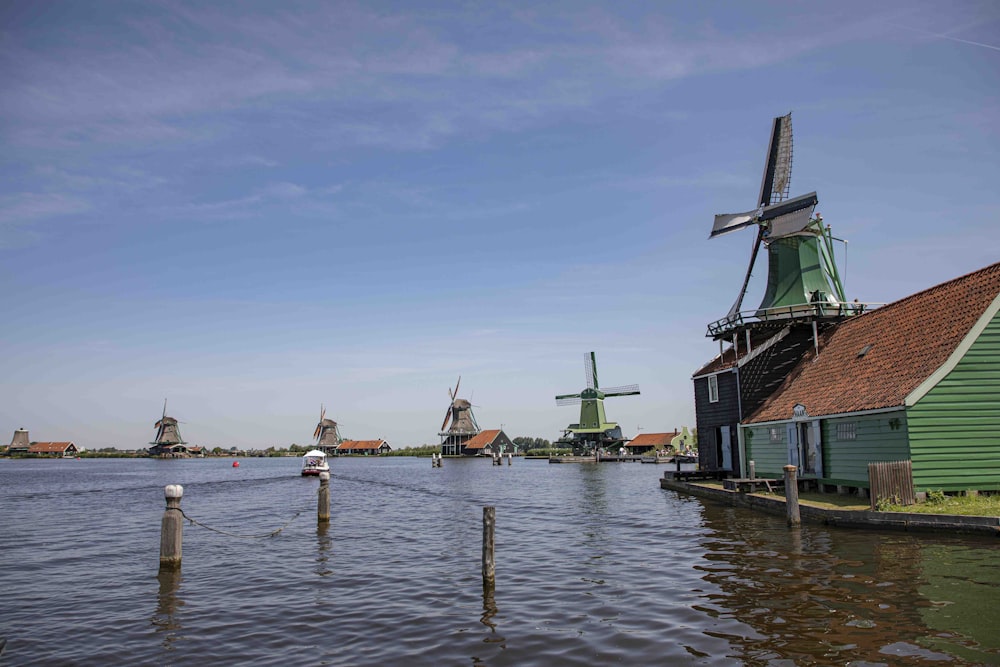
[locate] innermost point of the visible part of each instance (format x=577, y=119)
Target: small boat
x=314, y=462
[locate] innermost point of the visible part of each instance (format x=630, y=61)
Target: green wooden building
x=918, y=379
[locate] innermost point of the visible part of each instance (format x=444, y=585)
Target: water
x=595, y=565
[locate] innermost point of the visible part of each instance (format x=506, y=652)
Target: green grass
x=938, y=503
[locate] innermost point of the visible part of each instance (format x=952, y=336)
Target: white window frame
x=713, y=388
x=847, y=430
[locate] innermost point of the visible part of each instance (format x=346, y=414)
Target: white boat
x=314, y=462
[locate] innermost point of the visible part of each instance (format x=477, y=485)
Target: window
x=847, y=431
x=713, y=388
x=775, y=434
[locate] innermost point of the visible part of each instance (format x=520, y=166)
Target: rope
x=222, y=532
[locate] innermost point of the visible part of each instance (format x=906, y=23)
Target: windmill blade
x=590, y=369
x=730, y=222
x=447, y=417
x=746, y=279
x=624, y=390
x=778, y=167
x=455, y=395
x=795, y=220
x=164, y=408
x=572, y=399
x=790, y=206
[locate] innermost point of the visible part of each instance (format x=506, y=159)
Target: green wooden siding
x=878, y=437
x=769, y=457
x=955, y=428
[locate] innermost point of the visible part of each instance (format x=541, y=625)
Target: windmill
x=168, y=435
x=463, y=423
x=593, y=430
x=327, y=434
x=802, y=277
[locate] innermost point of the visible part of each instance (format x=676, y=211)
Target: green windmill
x=594, y=430
x=802, y=277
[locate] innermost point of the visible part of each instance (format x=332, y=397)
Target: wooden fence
x=891, y=481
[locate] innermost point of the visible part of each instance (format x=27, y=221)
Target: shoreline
x=873, y=519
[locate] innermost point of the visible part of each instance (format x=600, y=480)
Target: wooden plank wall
x=892, y=481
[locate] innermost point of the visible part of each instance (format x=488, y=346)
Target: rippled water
x=595, y=565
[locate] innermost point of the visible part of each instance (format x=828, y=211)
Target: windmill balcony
x=748, y=319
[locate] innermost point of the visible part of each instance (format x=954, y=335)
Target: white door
x=727, y=449
x=792, y=431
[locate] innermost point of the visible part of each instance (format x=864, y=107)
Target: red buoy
x=236, y=464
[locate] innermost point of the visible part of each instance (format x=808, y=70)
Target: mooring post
x=510, y=459
x=792, y=496
x=172, y=529
x=489, y=523
x=323, y=506
x=753, y=470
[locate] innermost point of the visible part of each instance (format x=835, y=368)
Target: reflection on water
x=166, y=620
x=812, y=598
x=323, y=546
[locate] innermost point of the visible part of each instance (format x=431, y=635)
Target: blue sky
x=255, y=208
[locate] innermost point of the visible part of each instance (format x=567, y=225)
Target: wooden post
x=172, y=529
x=753, y=470
x=323, y=506
x=489, y=569
x=792, y=496
x=510, y=459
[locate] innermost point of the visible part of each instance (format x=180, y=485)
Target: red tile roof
x=48, y=447
x=877, y=359
x=482, y=439
x=361, y=444
x=653, y=439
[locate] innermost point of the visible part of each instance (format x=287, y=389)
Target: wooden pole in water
x=510, y=459
x=323, y=506
x=489, y=567
x=792, y=496
x=172, y=529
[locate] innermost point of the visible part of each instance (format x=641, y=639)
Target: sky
x=254, y=208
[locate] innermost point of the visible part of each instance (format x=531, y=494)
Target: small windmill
x=463, y=423
x=327, y=434
x=593, y=430
x=168, y=435
x=802, y=276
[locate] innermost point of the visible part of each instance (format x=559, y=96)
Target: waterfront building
x=363, y=447
x=918, y=380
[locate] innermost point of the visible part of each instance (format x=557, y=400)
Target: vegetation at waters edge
x=940, y=503
x=420, y=450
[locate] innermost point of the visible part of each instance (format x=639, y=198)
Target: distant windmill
x=594, y=430
x=168, y=441
x=802, y=275
x=327, y=434
x=463, y=423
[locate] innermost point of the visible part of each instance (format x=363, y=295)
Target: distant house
x=488, y=443
x=363, y=447
x=651, y=442
x=917, y=379
x=52, y=449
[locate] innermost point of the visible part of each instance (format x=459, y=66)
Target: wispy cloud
x=19, y=211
